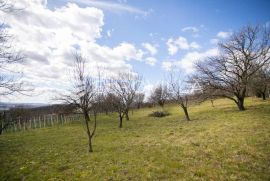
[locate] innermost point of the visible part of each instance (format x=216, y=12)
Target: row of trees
x=91, y=97
x=241, y=66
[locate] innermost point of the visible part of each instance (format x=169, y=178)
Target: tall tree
x=241, y=56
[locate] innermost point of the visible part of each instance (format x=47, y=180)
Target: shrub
x=159, y=114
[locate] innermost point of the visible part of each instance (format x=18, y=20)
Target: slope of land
x=220, y=143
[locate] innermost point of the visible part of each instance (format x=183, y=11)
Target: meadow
x=220, y=143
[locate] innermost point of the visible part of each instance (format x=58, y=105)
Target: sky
x=150, y=37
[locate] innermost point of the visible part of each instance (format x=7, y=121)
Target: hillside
x=220, y=143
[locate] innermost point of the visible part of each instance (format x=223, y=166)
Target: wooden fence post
x=20, y=126
x=35, y=122
x=51, y=120
x=39, y=121
x=14, y=125
x=44, y=121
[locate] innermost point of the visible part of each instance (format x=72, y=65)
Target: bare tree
x=138, y=100
x=180, y=93
x=260, y=83
x=10, y=80
x=125, y=87
x=241, y=56
x=84, y=95
x=118, y=105
x=160, y=95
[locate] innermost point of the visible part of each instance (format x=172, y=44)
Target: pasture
x=220, y=143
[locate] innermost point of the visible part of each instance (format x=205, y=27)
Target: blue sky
x=150, y=37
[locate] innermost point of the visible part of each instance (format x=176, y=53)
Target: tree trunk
x=126, y=115
x=263, y=96
x=240, y=104
x=87, y=120
x=90, y=144
x=186, y=113
x=212, y=102
x=120, y=121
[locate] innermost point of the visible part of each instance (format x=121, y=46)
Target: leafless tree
x=125, y=87
x=84, y=95
x=138, y=100
x=10, y=80
x=180, y=93
x=260, y=82
x=241, y=56
x=160, y=95
x=118, y=105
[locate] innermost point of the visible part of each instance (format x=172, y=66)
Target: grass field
x=219, y=143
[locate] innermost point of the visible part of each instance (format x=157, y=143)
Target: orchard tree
x=125, y=87
x=160, y=95
x=240, y=57
x=84, y=95
x=260, y=83
x=138, y=100
x=180, y=92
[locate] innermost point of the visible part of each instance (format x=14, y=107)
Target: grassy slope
x=220, y=143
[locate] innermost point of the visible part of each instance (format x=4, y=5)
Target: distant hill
x=7, y=106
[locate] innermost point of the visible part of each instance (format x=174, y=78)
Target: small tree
x=180, y=93
x=241, y=56
x=160, y=95
x=118, y=105
x=138, y=100
x=84, y=96
x=125, y=87
x=260, y=83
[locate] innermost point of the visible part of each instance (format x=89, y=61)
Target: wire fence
x=36, y=122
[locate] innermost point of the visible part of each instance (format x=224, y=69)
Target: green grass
x=219, y=143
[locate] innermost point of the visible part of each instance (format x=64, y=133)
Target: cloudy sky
x=149, y=37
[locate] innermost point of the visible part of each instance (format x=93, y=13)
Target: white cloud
x=147, y=89
x=190, y=28
x=151, y=48
x=180, y=43
x=187, y=62
x=49, y=37
x=150, y=61
x=194, y=45
x=214, y=41
x=115, y=7
x=224, y=34
x=167, y=65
